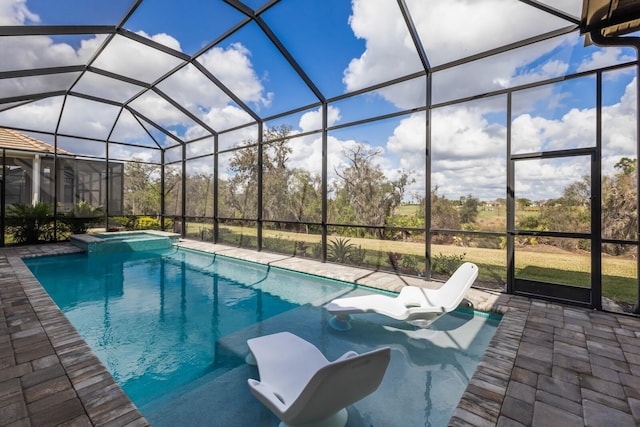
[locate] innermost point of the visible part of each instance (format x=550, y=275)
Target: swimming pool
x=171, y=326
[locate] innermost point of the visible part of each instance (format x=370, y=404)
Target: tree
x=469, y=209
x=288, y=194
x=444, y=214
x=626, y=165
x=570, y=212
x=619, y=205
x=305, y=196
x=364, y=194
x=173, y=190
x=241, y=195
x=199, y=195
x=142, y=188
x=276, y=174
x=523, y=203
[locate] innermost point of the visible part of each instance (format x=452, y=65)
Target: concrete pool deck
x=548, y=364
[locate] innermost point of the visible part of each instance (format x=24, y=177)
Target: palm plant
x=28, y=222
x=339, y=250
x=81, y=216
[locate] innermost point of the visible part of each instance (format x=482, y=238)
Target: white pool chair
x=301, y=387
x=418, y=306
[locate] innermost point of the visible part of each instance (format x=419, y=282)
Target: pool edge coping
x=102, y=398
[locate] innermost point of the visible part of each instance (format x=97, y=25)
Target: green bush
x=29, y=223
x=339, y=250
x=410, y=264
x=128, y=223
x=82, y=216
x=148, y=223
x=168, y=225
x=131, y=223
x=279, y=245
x=447, y=264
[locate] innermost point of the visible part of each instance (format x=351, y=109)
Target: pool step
x=147, y=244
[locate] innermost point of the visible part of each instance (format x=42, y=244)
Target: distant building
x=29, y=175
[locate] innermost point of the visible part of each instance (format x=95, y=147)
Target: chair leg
x=425, y=322
x=250, y=359
x=340, y=322
x=339, y=419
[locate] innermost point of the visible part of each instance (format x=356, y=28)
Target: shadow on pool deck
x=547, y=364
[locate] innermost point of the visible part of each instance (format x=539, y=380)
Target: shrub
x=28, y=223
x=128, y=223
x=339, y=250
x=82, y=216
x=447, y=264
x=280, y=245
x=148, y=223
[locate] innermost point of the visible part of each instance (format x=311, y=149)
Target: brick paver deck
x=547, y=365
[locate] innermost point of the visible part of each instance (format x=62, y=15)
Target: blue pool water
x=171, y=326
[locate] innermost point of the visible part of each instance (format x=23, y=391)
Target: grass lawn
x=557, y=266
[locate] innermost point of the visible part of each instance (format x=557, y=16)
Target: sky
x=340, y=46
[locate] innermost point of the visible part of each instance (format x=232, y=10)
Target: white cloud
x=576, y=129
x=468, y=150
x=502, y=71
x=227, y=117
x=194, y=91
x=15, y=12
x=453, y=29
x=87, y=118
x=603, y=58
x=546, y=179
x=619, y=129
x=233, y=67
x=136, y=60
x=124, y=152
x=389, y=53
x=24, y=53
x=449, y=30
x=305, y=153
x=163, y=38
x=38, y=116
x=159, y=110
x=468, y=153
x=313, y=120
x=408, y=142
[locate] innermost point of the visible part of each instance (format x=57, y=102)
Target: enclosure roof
x=158, y=74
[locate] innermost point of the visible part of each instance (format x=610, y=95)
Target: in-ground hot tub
x=124, y=241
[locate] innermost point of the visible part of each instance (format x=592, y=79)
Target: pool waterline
x=305, y=316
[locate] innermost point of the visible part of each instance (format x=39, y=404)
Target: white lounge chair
x=418, y=306
x=301, y=387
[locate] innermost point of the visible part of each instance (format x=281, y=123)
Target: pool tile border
x=54, y=378
x=547, y=364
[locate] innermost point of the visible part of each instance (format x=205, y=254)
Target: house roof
x=14, y=140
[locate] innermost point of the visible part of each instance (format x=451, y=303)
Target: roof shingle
x=14, y=140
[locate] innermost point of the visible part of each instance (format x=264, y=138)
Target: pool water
x=171, y=326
